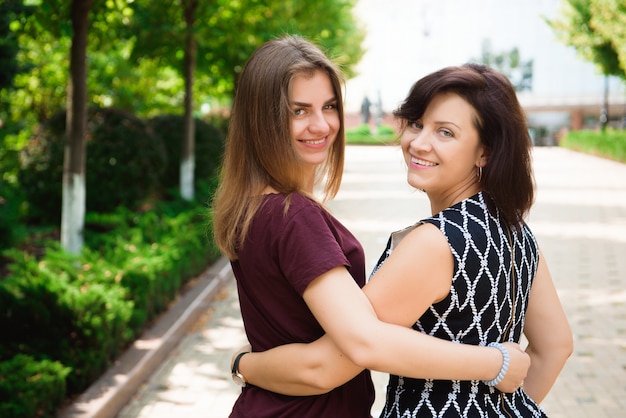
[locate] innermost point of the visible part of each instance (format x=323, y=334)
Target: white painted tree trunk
x=187, y=167
x=187, y=160
x=73, y=213
x=74, y=173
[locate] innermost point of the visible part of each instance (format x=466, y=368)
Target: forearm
x=543, y=372
x=354, y=327
x=299, y=369
x=405, y=352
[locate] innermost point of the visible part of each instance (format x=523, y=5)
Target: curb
x=112, y=391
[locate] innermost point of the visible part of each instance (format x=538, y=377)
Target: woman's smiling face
x=443, y=150
x=315, y=117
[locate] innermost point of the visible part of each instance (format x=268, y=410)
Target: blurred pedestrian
x=365, y=110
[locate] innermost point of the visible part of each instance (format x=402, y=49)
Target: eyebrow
x=444, y=122
x=302, y=104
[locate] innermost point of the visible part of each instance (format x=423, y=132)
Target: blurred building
x=407, y=39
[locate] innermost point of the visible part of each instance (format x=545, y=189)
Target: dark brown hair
x=259, y=149
x=501, y=124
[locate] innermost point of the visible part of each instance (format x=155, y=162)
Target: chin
x=416, y=184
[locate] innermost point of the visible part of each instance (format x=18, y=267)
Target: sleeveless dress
x=487, y=302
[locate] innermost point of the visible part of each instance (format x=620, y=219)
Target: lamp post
x=624, y=114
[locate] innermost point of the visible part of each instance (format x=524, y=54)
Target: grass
x=362, y=135
x=610, y=143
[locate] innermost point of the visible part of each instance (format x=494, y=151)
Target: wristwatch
x=237, y=376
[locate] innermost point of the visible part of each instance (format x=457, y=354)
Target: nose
x=318, y=123
x=420, y=140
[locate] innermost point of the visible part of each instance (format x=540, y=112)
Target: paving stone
x=579, y=219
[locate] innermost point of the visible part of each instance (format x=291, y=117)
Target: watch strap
x=236, y=362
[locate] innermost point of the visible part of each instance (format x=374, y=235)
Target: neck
x=437, y=204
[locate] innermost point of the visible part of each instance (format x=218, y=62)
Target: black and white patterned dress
x=478, y=310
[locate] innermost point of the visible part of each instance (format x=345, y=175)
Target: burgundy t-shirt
x=282, y=254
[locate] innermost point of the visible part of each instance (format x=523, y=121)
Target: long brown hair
x=259, y=149
x=501, y=124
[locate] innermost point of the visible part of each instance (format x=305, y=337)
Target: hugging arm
x=399, y=293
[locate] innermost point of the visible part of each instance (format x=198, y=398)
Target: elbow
x=325, y=378
x=323, y=383
x=363, y=353
x=562, y=351
x=565, y=346
x=360, y=357
x=568, y=346
x=557, y=351
x=316, y=376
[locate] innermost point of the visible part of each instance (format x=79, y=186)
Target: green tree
x=608, y=18
x=578, y=27
x=147, y=55
x=210, y=41
x=596, y=30
x=69, y=21
x=519, y=72
x=10, y=11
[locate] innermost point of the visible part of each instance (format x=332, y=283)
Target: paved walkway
x=580, y=222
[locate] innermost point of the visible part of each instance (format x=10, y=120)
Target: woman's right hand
x=519, y=362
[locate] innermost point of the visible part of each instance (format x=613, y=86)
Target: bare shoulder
x=425, y=236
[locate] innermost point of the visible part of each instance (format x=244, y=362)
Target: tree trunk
x=73, y=209
x=604, y=113
x=187, y=163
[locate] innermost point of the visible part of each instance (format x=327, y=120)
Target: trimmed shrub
x=31, y=388
x=41, y=175
x=363, y=135
x=83, y=310
x=610, y=143
x=124, y=164
x=10, y=227
x=209, y=143
x=64, y=310
x=156, y=253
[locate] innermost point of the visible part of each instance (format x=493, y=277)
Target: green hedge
x=72, y=316
x=56, y=308
x=610, y=143
x=129, y=161
x=11, y=229
x=64, y=319
x=363, y=135
x=31, y=388
x=209, y=143
x=124, y=164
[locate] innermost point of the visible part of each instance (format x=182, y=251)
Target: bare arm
x=399, y=293
x=548, y=333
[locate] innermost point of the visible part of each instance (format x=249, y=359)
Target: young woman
x=298, y=270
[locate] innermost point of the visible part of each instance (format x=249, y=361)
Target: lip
x=314, y=143
x=420, y=163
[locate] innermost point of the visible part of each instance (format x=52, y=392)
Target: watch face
x=239, y=380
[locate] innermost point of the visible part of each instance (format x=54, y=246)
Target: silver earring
x=480, y=173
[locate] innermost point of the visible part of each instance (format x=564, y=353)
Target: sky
x=407, y=39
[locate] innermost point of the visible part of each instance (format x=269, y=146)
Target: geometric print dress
x=487, y=303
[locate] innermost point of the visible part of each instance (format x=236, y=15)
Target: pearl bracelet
x=505, y=365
